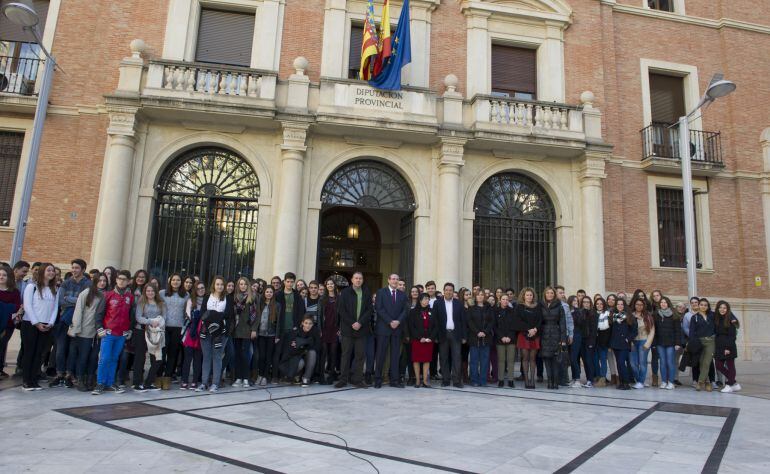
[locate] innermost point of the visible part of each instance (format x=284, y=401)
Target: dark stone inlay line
x=329, y=445
x=593, y=450
x=718, y=451
x=571, y=402
x=690, y=409
x=116, y=411
x=171, y=444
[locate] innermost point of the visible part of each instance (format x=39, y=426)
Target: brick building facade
x=585, y=149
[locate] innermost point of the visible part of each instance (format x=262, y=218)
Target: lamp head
x=720, y=88
x=22, y=14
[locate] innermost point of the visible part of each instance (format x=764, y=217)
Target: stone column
x=592, y=223
x=450, y=210
x=289, y=203
x=110, y=229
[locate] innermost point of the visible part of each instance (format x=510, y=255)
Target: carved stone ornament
x=294, y=137
x=122, y=124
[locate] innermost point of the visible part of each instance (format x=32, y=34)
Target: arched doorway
x=514, y=237
x=205, y=216
x=367, y=217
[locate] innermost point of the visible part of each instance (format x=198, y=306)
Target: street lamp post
x=22, y=14
x=716, y=89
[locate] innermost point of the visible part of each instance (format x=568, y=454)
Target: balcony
x=192, y=88
x=18, y=76
x=660, y=150
x=526, y=122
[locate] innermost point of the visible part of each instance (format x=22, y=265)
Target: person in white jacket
x=40, y=310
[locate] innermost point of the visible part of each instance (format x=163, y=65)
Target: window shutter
x=667, y=98
x=10, y=155
x=354, y=56
x=12, y=32
x=225, y=37
x=514, y=70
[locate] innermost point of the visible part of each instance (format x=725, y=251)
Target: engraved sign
x=368, y=97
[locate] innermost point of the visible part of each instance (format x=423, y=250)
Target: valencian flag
x=400, y=55
x=369, y=43
x=384, y=44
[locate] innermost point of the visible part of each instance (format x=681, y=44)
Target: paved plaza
x=410, y=430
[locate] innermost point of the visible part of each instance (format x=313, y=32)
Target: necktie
x=394, y=296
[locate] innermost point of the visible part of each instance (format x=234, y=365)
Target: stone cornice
x=687, y=19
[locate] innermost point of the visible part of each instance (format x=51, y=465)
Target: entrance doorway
x=366, y=224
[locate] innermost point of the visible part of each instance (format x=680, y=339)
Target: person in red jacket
x=113, y=327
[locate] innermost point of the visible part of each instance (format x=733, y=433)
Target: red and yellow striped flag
x=384, y=43
x=369, y=44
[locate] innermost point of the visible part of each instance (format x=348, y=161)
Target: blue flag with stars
x=401, y=55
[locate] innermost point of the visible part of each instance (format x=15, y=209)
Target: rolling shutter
x=354, y=56
x=667, y=98
x=12, y=32
x=514, y=70
x=225, y=37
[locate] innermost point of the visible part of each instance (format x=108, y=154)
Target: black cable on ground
x=347, y=446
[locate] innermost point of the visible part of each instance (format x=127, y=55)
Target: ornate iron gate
x=514, y=242
x=206, y=216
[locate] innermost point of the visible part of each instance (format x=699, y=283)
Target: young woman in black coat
x=529, y=317
x=725, y=349
x=481, y=325
x=553, y=335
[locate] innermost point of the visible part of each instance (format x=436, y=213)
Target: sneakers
x=638, y=385
x=726, y=389
x=340, y=384
x=736, y=387
x=98, y=390
x=139, y=388
x=663, y=385
x=576, y=384
x=152, y=388
x=588, y=384
x=28, y=387
x=193, y=386
x=237, y=383
x=201, y=388
x=214, y=389
x=246, y=383
x=262, y=381
x=714, y=385
x=670, y=386
x=305, y=383
x=115, y=388
x=183, y=386
x=57, y=382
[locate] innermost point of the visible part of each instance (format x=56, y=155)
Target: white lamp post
x=716, y=89
x=22, y=14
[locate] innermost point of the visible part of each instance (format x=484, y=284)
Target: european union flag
x=401, y=55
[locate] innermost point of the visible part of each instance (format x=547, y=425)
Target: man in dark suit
x=450, y=315
x=390, y=306
x=354, y=313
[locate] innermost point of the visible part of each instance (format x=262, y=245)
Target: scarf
x=666, y=313
x=156, y=340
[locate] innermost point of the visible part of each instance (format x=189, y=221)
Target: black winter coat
x=553, y=332
x=480, y=319
x=529, y=318
x=622, y=334
x=346, y=312
x=725, y=339
x=668, y=330
x=505, y=324
x=417, y=330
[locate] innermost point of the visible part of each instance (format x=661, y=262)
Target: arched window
x=368, y=184
x=206, y=216
x=514, y=242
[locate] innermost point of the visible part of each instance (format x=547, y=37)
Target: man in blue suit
x=450, y=315
x=390, y=306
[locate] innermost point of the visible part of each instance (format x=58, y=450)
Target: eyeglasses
x=122, y=278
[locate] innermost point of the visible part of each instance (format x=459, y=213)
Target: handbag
x=694, y=346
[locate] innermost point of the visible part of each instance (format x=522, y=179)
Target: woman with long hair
x=83, y=332
x=725, y=349
x=624, y=328
x=645, y=333
x=463, y=296
x=175, y=297
x=668, y=337
x=246, y=326
x=140, y=278
x=414, y=296
x=423, y=332
x=217, y=321
x=481, y=324
x=327, y=309
x=588, y=322
x=603, y=333
x=612, y=364
x=188, y=285
x=268, y=311
x=529, y=315
x=10, y=303
x=147, y=336
x=703, y=329
x=41, y=306
x=111, y=273
x=553, y=335
x=505, y=337
x=191, y=338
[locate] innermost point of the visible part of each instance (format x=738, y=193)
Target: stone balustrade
x=516, y=115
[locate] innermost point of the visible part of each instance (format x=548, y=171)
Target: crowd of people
x=91, y=330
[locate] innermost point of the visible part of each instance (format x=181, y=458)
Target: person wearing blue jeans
x=111, y=348
x=68, y=296
x=603, y=333
x=212, y=361
x=645, y=334
x=480, y=327
x=624, y=330
x=669, y=338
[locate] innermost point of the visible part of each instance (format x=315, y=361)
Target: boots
x=655, y=380
x=600, y=382
x=614, y=379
